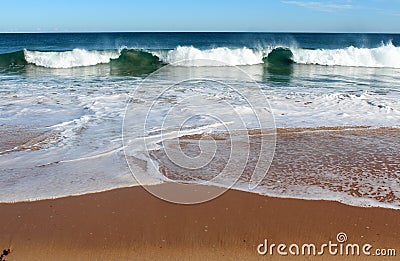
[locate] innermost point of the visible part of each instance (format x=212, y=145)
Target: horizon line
x=200, y=31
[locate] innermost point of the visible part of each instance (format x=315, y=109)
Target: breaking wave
x=69, y=59
x=229, y=56
x=386, y=55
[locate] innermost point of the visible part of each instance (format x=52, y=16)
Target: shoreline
x=301, y=154
x=130, y=223
x=232, y=188
x=355, y=165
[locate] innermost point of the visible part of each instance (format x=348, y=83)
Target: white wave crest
x=69, y=59
x=384, y=56
x=232, y=57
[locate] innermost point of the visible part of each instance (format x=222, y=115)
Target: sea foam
x=69, y=59
x=384, y=56
x=229, y=56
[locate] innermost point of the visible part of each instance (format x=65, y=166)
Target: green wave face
x=280, y=56
x=12, y=59
x=134, y=62
x=279, y=65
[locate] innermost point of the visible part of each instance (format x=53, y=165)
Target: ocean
x=74, y=91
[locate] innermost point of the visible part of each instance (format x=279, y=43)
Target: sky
x=201, y=15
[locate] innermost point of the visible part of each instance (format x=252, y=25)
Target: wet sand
x=131, y=224
x=22, y=138
x=347, y=163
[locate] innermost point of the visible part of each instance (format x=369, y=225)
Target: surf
x=69, y=59
x=228, y=56
x=145, y=61
x=386, y=55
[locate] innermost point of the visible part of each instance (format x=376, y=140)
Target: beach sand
x=132, y=224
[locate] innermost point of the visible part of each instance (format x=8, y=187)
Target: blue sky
x=201, y=15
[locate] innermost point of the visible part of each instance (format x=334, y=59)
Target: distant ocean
x=75, y=87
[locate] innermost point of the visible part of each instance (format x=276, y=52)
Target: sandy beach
x=131, y=224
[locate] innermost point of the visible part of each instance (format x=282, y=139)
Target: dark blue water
x=96, y=41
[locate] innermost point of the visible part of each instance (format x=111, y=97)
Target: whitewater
x=385, y=56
